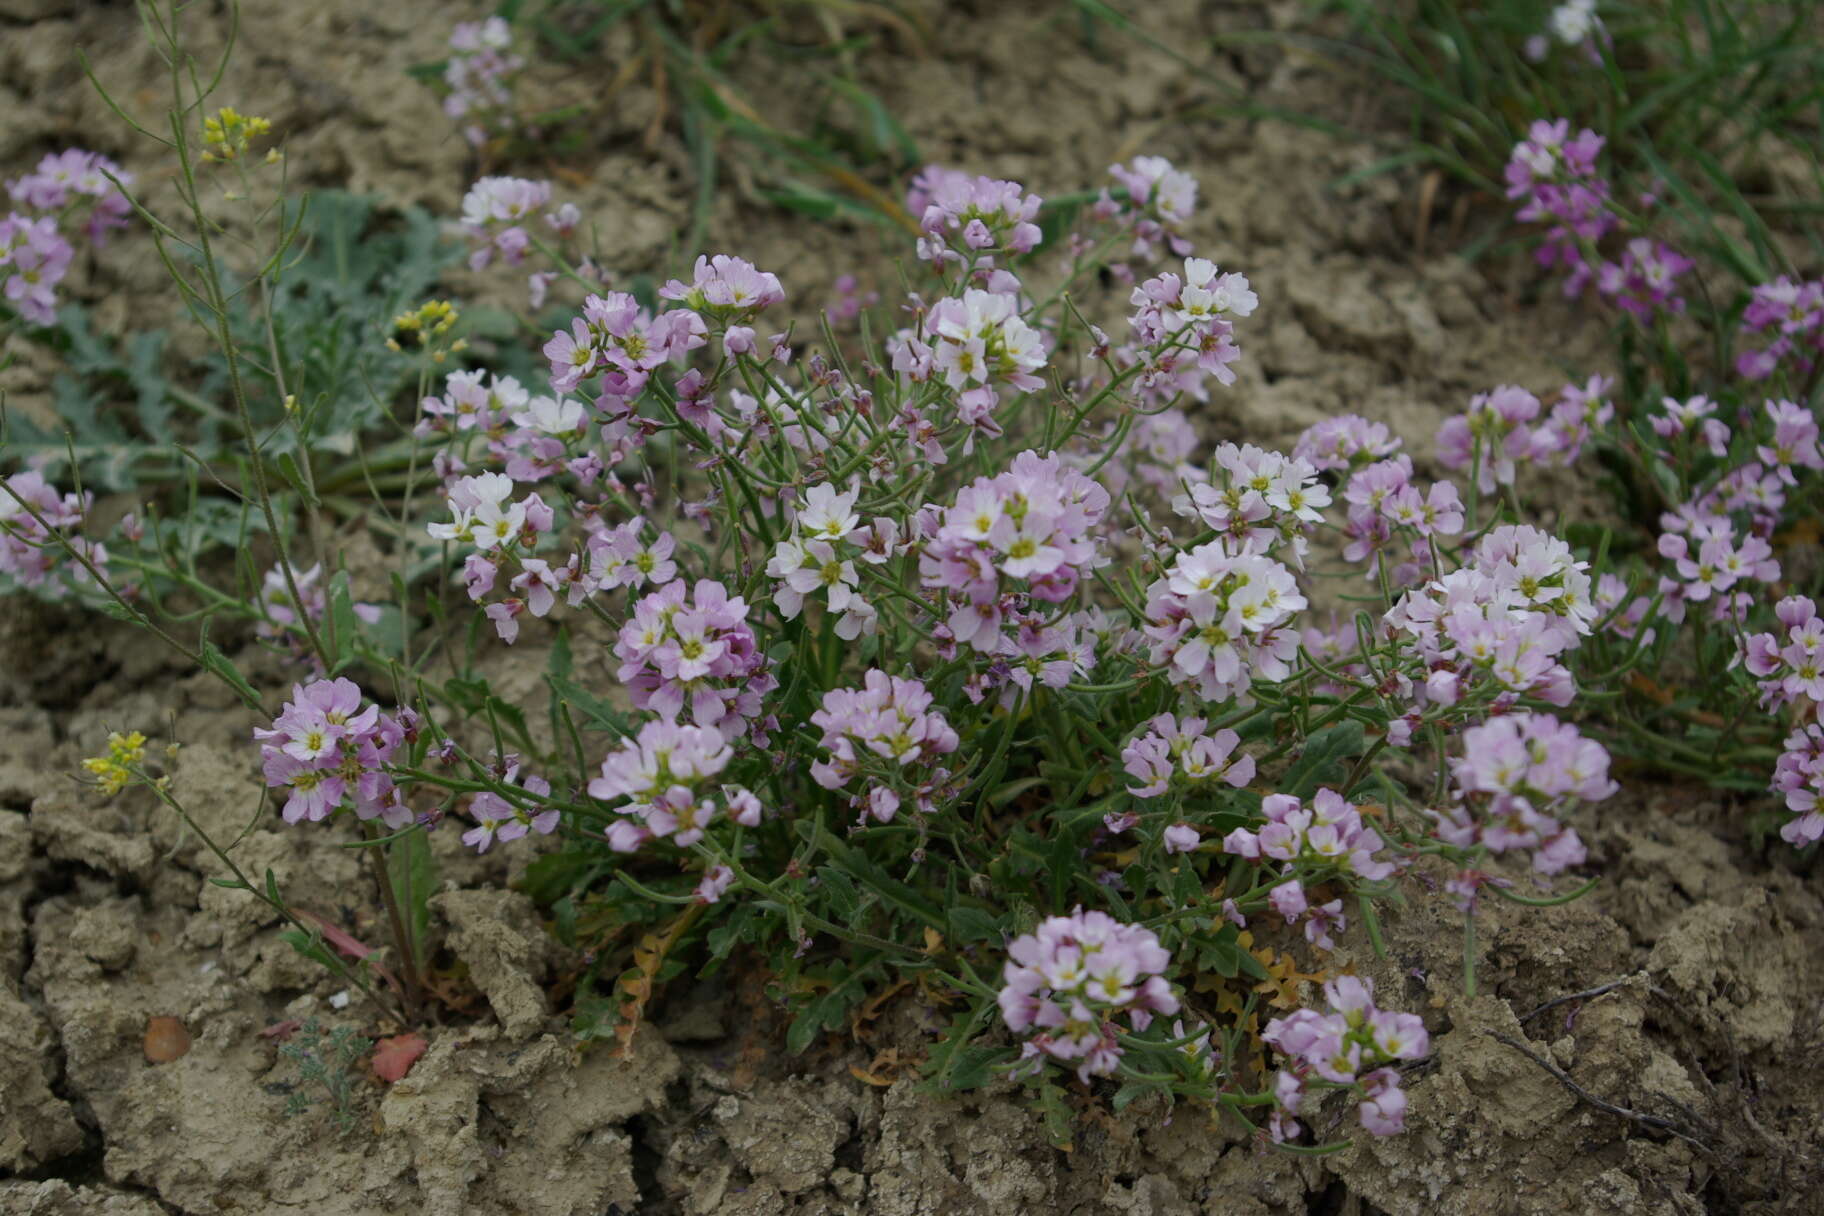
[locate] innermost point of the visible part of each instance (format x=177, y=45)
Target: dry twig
x=1633, y=1116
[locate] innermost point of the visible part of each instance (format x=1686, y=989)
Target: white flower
x=552, y=415
x=827, y=515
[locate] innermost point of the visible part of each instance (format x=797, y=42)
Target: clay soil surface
x=1695, y=1082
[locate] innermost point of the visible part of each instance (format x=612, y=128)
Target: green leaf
x=1125, y=1096
x=828, y=1009
x=413, y=870
x=597, y=713
x=1223, y=955
x=1321, y=761
x=343, y=628
x=1058, y=1121
x=558, y=662
x=287, y=465
x=858, y=865
x=311, y=946
x=221, y=666
x=845, y=901
x=742, y=925
x=974, y=1065
x=951, y=1064
x=972, y=925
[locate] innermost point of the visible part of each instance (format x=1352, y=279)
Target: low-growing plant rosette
x=946, y=650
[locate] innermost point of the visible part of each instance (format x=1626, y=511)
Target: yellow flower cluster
x=113, y=771
x=229, y=133
x=424, y=325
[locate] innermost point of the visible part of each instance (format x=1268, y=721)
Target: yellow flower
x=113, y=771
x=229, y=133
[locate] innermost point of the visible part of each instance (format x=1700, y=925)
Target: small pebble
x=166, y=1040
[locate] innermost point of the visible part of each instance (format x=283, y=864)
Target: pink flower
x=1288, y=899
x=716, y=880
x=1181, y=838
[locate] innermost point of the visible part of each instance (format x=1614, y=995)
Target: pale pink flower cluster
x=1574, y=23
x=1790, y=664
x=1644, y=282
x=32, y=549
x=495, y=212
x=1793, y=442
x=479, y=76
x=66, y=177
x=621, y=556
x=473, y=400
x=1523, y=600
x=500, y=818
x=1035, y=524
x=1793, y=314
x=729, y=289
x=1344, y=442
x=1325, y=833
x=325, y=751
x=1034, y=652
x=1356, y=1045
x=35, y=255
x=827, y=540
x=618, y=345
x=690, y=653
x=1580, y=408
x=1798, y=778
x=965, y=220
x=1257, y=500
x=1709, y=564
x=1067, y=981
x=1505, y=427
x=663, y=779
x=1516, y=774
x=1182, y=753
x=1553, y=176
x=1185, y=325
x=976, y=344
x=486, y=517
x=887, y=731
x=1495, y=432
x=1153, y=198
x=1385, y=504
x=531, y=437
x=1216, y=621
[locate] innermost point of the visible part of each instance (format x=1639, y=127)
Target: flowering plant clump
x=949, y=644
